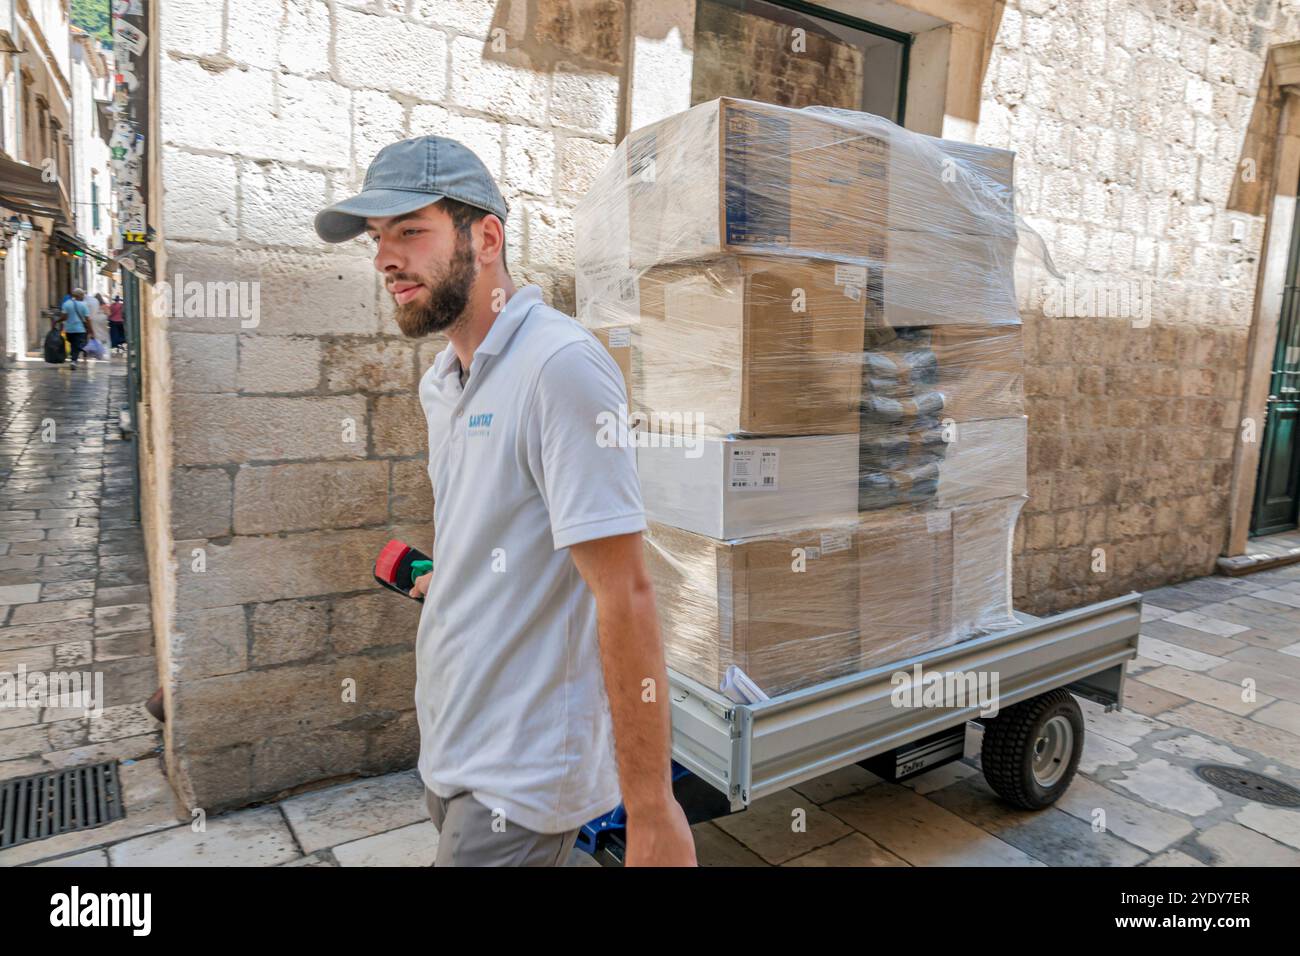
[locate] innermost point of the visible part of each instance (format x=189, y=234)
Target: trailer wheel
x=1032, y=749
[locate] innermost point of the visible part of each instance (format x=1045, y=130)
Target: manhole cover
x=33, y=808
x=1251, y=785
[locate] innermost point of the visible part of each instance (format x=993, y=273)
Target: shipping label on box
x=755, y=468
x=617, y=341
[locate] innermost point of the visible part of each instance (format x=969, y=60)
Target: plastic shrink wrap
x=815, y=314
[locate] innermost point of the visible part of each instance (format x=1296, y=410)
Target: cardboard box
x=781, y=608
x=940, y=185
x=810, y=605
x=739, y=176
x=617, y=341
x=939, y=278
x=757, y=346
x=983, y=538
x=742, y=487
x=981, y=371
x=905, y=562
x=929, y=579
x=985, y=459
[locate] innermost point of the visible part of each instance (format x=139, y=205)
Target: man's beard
x=447, y=297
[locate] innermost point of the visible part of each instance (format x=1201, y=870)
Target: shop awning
x=23, y=191
x=74, y=243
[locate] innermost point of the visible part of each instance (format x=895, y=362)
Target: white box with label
x=741, y=487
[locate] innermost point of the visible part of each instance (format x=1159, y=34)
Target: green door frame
x=1277, y=486
x=131, y=313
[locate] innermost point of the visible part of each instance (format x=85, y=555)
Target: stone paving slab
x=60, y=610
x=1139, y=823
x=1050, y=837
x=852, y=850
x=1230, y=844
x=922, y=832
x=413, y=845
x=258, y=837
x=1173, y=858
x=326, y=818
x=784, y=826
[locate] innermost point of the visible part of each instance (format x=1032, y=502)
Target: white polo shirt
x=509, y=690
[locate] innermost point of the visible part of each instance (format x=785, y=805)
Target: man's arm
x=636, y=682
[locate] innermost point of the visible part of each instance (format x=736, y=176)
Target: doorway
x=1277, y=487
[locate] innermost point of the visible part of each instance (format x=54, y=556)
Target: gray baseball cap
x=410, y=175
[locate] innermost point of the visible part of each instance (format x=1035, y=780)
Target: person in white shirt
x=98, y=318
x=541, y=689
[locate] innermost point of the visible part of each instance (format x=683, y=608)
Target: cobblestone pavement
x=73, y=590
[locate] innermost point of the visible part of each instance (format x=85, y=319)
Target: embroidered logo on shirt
x=480, y=424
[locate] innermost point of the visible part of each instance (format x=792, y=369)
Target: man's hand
x=636, y=683
x=420, y=586
x=661, y=838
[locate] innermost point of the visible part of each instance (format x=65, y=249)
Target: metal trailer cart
x=727, y=755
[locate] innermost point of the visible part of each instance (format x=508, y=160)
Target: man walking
x=541, y=689
x=75, y=316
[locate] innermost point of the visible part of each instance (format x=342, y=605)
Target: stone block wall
x=1128, y=118
x=296, y=445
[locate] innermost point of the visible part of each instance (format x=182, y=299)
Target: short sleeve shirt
x=76, y=314
x=509, y=692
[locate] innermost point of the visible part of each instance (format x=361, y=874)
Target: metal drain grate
x=33, y=808
x=1251, y=785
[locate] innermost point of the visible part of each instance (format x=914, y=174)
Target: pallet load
x=816, y=315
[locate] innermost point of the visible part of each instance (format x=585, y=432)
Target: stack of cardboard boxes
x=815, y=314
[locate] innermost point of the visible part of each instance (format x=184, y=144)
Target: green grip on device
x=420, y=568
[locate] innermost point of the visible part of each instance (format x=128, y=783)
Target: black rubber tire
x=1007, y=754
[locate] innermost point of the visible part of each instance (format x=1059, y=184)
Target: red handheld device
x=398, y=565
